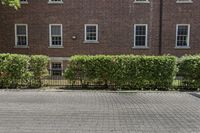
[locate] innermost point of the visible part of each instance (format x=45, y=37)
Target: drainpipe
x=160, y=27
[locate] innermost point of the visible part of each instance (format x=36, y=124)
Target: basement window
x=56, y=68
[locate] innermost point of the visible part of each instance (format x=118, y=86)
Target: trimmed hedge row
x=22, y=70
x=189, y=70
x=125, y=71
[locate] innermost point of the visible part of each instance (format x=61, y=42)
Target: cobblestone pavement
x=98, y=112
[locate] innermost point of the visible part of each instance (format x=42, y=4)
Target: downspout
x=160, y=27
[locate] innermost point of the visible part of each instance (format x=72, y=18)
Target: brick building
x=62, y=28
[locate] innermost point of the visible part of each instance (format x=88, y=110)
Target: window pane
x=21, y=40
x=91, y=28
x=56, y=69
x=140, y=35
x=141, y=30
x=140, y=41
x=56, y=40
x=21, y=30
x=91, y=33
x=182, y=41
x=56, y=30
x=182, y=30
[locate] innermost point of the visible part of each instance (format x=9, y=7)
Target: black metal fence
x=57, y=79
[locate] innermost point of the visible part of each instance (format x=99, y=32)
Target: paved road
x=98, y=112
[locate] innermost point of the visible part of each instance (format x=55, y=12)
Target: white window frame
x=184, y=1
x=139, y=1
x=55, y=2
x=188, y=41
x=16, y=39
x=50, y=39
x=146, y=39
x=24, y=2
x=97, y=34
x=55, y=61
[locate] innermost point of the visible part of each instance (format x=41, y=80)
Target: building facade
x=63, y=28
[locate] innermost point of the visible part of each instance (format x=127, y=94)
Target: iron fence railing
x=60, y=80
x=56, y=78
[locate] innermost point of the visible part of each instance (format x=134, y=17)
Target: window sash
x=21, y=39
x=139, y=35
x=182, y=38
x=55, y=40
x=91, y=34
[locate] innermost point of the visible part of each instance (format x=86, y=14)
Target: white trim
x=188, y=41
x=50, y=39
x=24, y=2
x=142, y=2
x=85, y=34
x=184, y=1
x=59, y=58
x=146, y=36
x=55, y=2
x=19, y=46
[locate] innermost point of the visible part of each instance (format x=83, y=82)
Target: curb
x=94, y=91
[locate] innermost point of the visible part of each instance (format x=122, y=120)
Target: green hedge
x=189, y=70
x=125, y=71
x=38, y=68
x=21, y=70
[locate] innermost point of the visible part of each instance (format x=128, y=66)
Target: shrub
x=140, y=72
x=21, y=70
x=38, y=67
x=189, y=70
x=14, y=70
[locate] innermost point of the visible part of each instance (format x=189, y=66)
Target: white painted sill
x=141, y=2
x=24, y=3
x=183, y=48
x=184, y=2
x=17, y=46
x=55, y=47
x=90, y=42
x=55, y=2
x=140, y=47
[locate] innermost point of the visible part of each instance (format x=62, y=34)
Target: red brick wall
x=181, y=14
x=115, y=19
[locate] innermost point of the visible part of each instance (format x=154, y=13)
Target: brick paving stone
x=98, y=112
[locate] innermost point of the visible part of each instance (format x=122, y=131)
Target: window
x=140, y=35
x=182, y=35
x=91, y=33
x=24, y=1
x=141, y=1
x=55, y=1
x=21, y=35
x=55, y=35
x=184, y=1
x=56, y=68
